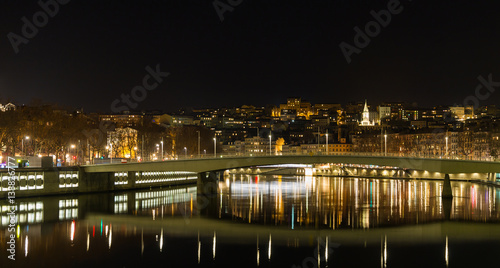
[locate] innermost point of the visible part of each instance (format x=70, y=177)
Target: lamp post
x=73, y=147
x=318, y=140
x=198, y=144
x=327, y=142
x=215, y=147
x=22, y=145
x=270, y=145
x=385, y=138
x=157, y=150
x=185, y=153
x=27, y=138
x=161, y=149
x=446, y=139
x=111, y=162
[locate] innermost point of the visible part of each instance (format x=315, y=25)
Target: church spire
x=365, y=117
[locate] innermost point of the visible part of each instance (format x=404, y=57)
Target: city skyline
x=372, y=106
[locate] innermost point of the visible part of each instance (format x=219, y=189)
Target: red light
x=93, y=230
x=256, y=179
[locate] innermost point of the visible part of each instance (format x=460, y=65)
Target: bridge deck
x=450, y=166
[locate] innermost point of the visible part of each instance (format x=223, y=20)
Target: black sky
x=91, y=52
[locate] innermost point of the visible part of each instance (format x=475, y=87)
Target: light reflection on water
x=352, y=202
x=248, y=212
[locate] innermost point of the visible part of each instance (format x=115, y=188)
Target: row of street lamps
x=385, y=143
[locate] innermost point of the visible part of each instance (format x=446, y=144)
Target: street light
x=185, y=152
x=446, y=138
x=72, y=147
x=157, y=149
x=161, y=149
x=198, y=143
x=385, y=138
x=215, y=147
x=22, y=145
x=327, y=142
x=270, y=145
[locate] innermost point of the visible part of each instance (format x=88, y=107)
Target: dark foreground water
x=261, y=221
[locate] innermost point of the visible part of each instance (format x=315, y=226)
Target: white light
x=446, y=252
x=72, y=235
x=326, y=246
x=26, y=247
x=269, y=250
x=161, y=240
x=110, y=234
x=199, y=250
x=213, y=247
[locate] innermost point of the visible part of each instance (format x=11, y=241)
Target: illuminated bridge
x=206, y=171
x=446, y=166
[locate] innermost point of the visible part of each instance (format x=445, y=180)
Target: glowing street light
x=22, y=144
x=385, y=138
x=157, y=149
x=185, y=152
x=161, y=149
x=270, y=145
x=215, y=147
x=72, y=146
x=327, y=142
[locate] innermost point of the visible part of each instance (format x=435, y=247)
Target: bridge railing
x=375, y=154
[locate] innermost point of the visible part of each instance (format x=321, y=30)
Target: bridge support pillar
x=447, y=193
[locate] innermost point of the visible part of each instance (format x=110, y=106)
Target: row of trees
x=48, y=130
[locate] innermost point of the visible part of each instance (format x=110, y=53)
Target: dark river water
x=261, y=221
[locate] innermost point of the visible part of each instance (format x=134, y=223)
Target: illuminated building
x=122, y=120
x=365, y=117
x=384, y=112
x=462, y=113
x=7, y=107
x=124, y=142
x=300, y=107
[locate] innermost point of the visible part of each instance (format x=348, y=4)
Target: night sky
x=90, y=52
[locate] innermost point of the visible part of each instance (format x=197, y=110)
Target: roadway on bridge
x=198, y=165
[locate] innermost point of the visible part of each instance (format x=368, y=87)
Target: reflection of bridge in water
x=267, y=212
x=294, y=202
